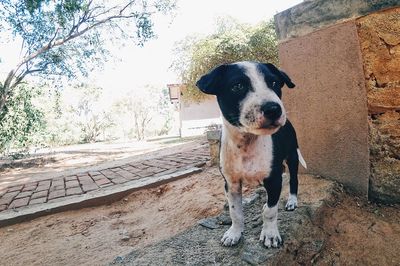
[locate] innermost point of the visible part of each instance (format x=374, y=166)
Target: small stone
x=125, y=238
x=119, y=259
x=210, y=223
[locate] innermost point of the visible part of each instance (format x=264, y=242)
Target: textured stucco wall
x=379, y=36
x=328, y=107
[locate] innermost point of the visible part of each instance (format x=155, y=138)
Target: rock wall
x=379, y=36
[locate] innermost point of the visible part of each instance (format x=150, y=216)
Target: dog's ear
x=210, y=82
x=282, y=75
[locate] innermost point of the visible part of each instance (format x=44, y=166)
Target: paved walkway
x=66, y=187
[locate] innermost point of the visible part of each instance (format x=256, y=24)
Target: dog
x=256, y=139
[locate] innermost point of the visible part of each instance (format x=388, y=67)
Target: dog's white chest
x=247, y=160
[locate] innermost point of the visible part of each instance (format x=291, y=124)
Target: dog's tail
x=301, y=159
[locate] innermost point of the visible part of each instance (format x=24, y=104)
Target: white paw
x=231, y=237
x=291, y=203
x=270, y=237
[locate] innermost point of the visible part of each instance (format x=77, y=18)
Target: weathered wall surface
x=344, y=55
x=328, y=106
x=312, y=15
x=379, y=36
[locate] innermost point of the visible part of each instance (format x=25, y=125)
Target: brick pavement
x=59, y=188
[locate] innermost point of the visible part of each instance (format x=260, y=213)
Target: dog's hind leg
x=233, y=194
x=270, y=234
x=293, y=165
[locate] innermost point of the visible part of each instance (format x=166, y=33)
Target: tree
x=20, y=127
x=145, y=112
x=90, y=116
x=231, y=42
x=60, y=37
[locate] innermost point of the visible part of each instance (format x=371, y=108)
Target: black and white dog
x=256, y=139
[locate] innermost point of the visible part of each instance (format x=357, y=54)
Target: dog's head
x=249, y=95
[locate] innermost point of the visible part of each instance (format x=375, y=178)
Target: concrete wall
x=344, y=57
x=328, y=106
x=195, y=117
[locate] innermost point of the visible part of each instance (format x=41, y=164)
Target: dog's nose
x=271, y=110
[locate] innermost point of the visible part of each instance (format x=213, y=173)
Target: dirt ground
x=357, y=232
x=95, y=236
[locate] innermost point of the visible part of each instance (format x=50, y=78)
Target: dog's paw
x=231, y=237
x=270, y=237
x=291, y=203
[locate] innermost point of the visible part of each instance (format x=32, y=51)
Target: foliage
x=90, y=117
x=67, y=37
x=231, y=42
x=137, y=112
x=21, y=123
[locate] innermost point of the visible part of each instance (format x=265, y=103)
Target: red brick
x=94, y=173
x=6, y=200
x=85, y=179
x=57, y=183
x=44, y=183
x=102, y=181
x=98, y=177
x=41, y=188
x=24, y=194
x=139, y=166
x=39, y=194
x=70, y=178
x=126, y=174
x=82, y=174
x=56, y=194
x=37, y=201
x=89, y=187
x=53, y=188
x=16, y=188
x=72, y=183
x=19, y=203
x=29, y=188
x=144, y=173
x=74, y=191
x=3, y=207
x=119, y=180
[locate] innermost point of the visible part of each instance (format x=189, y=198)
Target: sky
x=150, y=64
x=133, y=67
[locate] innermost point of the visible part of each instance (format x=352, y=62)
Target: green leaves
x=21, y=121
x=232, y=42
x=68, y=38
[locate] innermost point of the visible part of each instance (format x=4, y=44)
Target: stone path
x=64, y=187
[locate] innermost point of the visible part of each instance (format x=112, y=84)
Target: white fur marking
x=291, y=203
x=234, y=233
x=261, y=94
x=270, y=234
x=251, y=163
x=301, y=159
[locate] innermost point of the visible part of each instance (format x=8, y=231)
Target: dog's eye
x=238, y=87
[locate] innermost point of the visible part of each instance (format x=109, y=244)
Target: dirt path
x=69, y=159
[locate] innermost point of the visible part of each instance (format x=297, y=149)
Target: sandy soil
x=95, y=236
x=355, y=232
x=361, y=233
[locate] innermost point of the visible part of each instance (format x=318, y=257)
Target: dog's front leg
x=270, y=234
x=233, y=192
